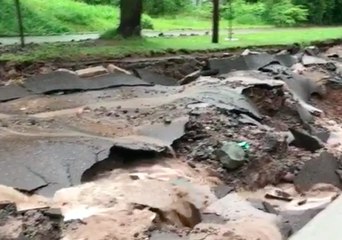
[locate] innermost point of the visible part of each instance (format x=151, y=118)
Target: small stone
x=279, y=195
x=167, y=121
x=231, y=155
x=32, y=121
x=288, y=177
x=192, y=165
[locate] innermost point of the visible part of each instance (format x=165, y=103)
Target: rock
x=222, y=191
x=312, y=50
x=91, y=72
x=310, y=60
x=288, y=177
x=279, y=195
x=167, y=120
x=115, y=69
x=66, y=70
x=298, y=68
x=231, y=155
x=274, y=143
x=319, y=170
x=304, y=140
x=190, y=77
x=234, y=207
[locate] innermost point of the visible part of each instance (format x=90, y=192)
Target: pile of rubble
x=238, y=149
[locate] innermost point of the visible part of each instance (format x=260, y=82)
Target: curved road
x=91, y=36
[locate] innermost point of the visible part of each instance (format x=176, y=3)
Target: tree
x=130, y=18
x=20, y=23
x=216, y=20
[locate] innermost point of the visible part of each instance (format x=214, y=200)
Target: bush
x=285, y=13
x=147, y=22
x=204, y=12
x=165, y=7
x=246, y=13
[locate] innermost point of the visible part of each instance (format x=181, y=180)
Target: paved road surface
x=80, y=37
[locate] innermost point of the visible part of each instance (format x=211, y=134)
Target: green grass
x=186, y=22
x=46, y=17
x=124, y=47
x=43, y=17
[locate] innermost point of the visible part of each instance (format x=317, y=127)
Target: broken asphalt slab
x=318, y=170
x=64, y=81
x=248, y=62
x=12, y=92
x=228, y=99
x=305, y=140
x=165, y=132
x=46, y=163
x=154, y=78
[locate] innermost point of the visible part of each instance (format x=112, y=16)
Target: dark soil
x=29, y=225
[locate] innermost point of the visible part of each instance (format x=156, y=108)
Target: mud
x=32, y=224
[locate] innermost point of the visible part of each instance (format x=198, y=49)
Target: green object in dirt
x=231, y=155
x=244, y=145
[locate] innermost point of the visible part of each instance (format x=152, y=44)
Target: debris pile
x=133, y=154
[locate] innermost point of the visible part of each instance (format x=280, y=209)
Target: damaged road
x=106, y=145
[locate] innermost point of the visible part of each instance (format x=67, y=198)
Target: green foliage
x=246, y=13
x=285, y=13
x=323, y=11
x=147, y=22
x=165, y=7
x=46, y=17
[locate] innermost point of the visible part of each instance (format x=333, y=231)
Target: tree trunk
x=130, y=18
x=216, y=20
x=20, y=23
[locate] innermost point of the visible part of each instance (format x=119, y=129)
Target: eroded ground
x=239, y=149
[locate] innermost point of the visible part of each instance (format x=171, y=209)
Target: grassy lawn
x=120, y=48
x=43, y=17
x=186, y=22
